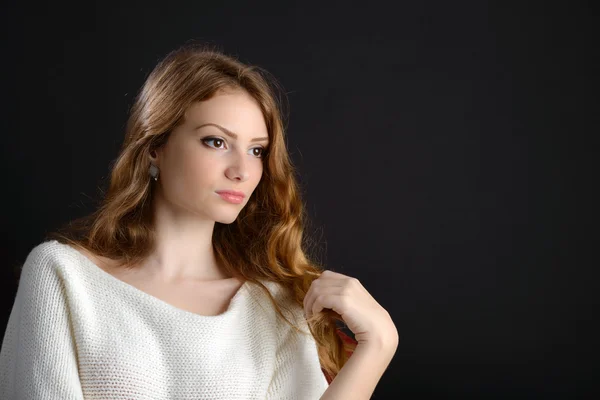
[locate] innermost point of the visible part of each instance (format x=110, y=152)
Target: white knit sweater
x=77, y=332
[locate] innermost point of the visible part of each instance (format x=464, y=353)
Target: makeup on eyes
x=213, y=138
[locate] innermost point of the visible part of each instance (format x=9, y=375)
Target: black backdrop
x=439, y=145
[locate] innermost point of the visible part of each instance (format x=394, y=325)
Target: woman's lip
x=231, y=193
x=231, y=198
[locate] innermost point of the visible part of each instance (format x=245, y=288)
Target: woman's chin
x=226, y=220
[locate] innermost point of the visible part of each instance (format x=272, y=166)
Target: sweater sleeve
x=38, y=358
x=298, y=373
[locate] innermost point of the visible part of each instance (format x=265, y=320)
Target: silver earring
x=154, y=172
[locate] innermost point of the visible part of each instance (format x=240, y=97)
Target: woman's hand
x=370, y=323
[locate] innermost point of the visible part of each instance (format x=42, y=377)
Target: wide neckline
x=111, y=279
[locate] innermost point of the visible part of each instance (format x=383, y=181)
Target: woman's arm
x=359, y=376
x=38, y=359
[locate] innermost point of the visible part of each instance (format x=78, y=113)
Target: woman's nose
x=238, y=169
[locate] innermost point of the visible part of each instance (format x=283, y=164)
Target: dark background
x=445, y=150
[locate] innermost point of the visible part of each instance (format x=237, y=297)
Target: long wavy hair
x=266, y=240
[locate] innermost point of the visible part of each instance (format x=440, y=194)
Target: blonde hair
x=266, y=240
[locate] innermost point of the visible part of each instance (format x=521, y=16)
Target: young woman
x=190, y=280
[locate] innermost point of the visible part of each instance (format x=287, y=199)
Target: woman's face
x=200, y=158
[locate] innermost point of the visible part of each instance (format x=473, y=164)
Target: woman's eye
x=218, y=141
x=262, y=151
x=213, y=140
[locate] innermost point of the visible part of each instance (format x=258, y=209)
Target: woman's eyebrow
x=231, y=134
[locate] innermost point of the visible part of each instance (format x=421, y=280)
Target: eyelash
x=208, y=139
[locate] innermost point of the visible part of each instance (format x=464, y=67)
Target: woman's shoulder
x=290, y=309
x=44, y=253
x=42, y=267
x=280, y=292
x=49, y=257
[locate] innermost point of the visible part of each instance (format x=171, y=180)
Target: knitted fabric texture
x=77, y=332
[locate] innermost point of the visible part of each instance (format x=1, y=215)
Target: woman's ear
x=154, y=156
